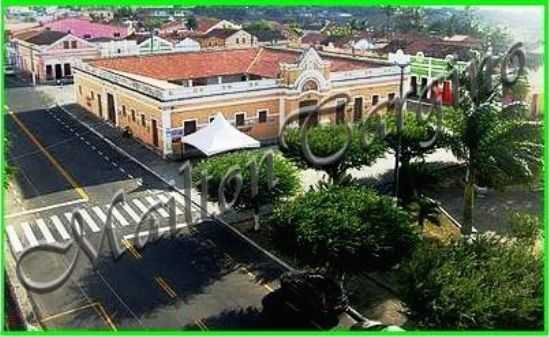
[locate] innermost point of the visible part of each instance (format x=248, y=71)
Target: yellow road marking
x=97, y=307
x=105, y=316
x=131, y=249
x=64, y=313
x=54, y=162
x=201, y=325
x=254, y=277
x=166, y=287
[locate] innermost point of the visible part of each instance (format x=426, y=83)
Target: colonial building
x=162, y=97
x=226, y=38
x=48, y=55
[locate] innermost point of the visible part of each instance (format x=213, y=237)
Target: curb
x=22, y=299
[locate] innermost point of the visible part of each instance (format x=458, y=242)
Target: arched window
x=310, y=85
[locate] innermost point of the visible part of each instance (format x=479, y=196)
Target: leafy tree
x=495, y=37
x=343, y=230
x=327, y=140
x=285, y=174
x=389, y=13
x=410, y=19
x=498, y=144
x=191, y=22
x=419, y=138
x=264, y=31
x=482, y=283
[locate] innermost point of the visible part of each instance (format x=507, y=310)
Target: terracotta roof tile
x=84, y=28
x=45, y=37
x=262, y=62
x=177, y=66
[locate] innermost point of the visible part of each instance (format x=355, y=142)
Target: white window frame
x=196, y=120
x=235, y=118
x=258, y=115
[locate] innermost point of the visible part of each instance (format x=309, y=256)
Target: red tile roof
x=83, y=27
x=204, y=23
x=263, y=62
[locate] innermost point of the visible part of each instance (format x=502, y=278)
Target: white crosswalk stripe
x=140, y=205
x=14, y=239
x=161, y=211
x=119, y=217
x=179, y=198
x=60, y=228
x=31, y=238
x=131, y=212
x=100, y=214
x=87, y=219
x=45, y=231
x=93, y=217
x=165, y=199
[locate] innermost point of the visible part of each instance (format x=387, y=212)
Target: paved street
x=203, y=278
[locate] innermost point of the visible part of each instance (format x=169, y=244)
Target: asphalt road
x=203, y=278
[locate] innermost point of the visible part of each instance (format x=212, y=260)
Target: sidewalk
x=165, y=168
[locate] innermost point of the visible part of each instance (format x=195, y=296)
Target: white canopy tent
x=220, y=136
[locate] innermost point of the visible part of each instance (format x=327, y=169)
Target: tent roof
x=218, y=137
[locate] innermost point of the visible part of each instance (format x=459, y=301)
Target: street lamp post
x=402, y=61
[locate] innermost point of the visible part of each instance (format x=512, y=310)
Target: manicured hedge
x=478, y=283
x=285, y=173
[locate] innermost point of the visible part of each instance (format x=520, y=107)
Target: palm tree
x=498, y=144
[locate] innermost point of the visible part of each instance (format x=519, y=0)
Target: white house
x=187, y=44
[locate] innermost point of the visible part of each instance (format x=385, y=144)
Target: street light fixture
x=401, y=60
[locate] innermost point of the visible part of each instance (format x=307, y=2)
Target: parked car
x=313, y=293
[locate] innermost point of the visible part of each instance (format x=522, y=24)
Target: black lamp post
x=402, y=61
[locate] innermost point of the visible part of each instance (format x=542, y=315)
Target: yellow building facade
x=159, y=100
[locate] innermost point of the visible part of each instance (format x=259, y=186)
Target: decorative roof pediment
x=310, y=60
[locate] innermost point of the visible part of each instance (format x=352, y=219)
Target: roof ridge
x=254, y=60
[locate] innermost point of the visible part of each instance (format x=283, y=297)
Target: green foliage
x=264, y=31
x=464, y=23
x=519, y=90
x=286, y=174
x=326, y=140
x=497, y=142
x=9, y=170
x=191, y=22
x=344, y=229
x=496, y=37
x=484, y=283
x=419, y=138
x=525, y=226
x=410, y=19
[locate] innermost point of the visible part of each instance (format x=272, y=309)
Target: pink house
x=48, y=55
x=85, y=29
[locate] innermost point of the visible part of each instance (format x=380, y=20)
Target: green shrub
x=344, y=229
x=284, y=172
x=327, y=140
x=484, y=283
x=525, y=226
